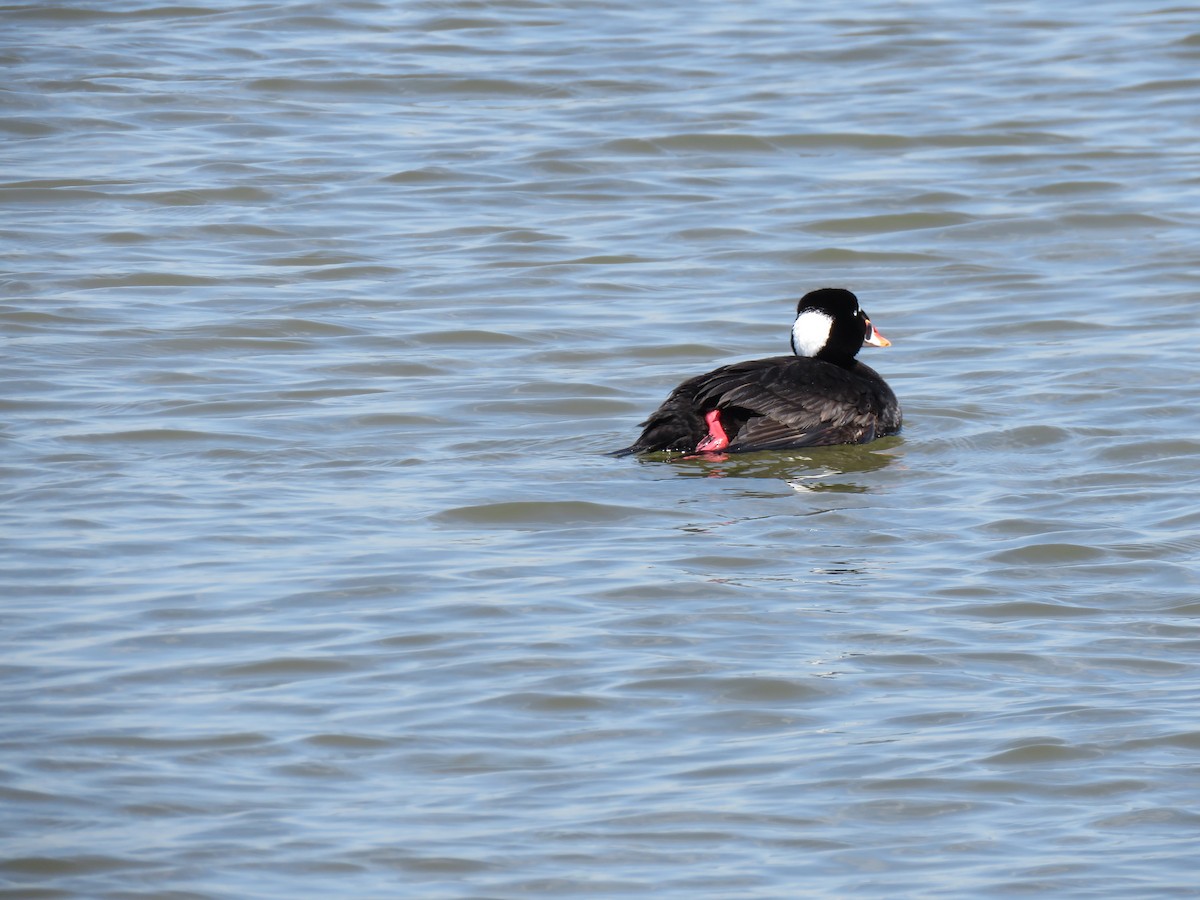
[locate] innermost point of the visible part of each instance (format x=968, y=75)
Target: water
x=318, y=319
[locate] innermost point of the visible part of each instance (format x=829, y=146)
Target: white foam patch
x=811, y=332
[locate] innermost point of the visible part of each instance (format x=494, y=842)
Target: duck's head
x=830, y=325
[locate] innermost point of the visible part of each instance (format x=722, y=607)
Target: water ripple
x=320, y=320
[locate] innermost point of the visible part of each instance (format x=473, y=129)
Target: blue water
x=319, y=320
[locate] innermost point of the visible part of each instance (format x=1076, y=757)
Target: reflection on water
x=803, y=470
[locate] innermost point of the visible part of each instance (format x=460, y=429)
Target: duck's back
x=777, y=403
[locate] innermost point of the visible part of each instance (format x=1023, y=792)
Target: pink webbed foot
x=716, y=439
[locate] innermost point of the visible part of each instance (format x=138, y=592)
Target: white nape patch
x=811, y=332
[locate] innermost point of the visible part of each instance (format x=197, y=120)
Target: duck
x=819, y=396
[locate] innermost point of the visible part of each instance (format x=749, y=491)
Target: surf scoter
x=822, y=395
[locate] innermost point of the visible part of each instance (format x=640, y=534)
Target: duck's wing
x=778, y=403
x=765, y=433
x=783, y=403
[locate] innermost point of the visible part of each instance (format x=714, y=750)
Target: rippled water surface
x=319, y=318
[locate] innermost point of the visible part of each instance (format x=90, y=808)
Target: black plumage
x=784, y=402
